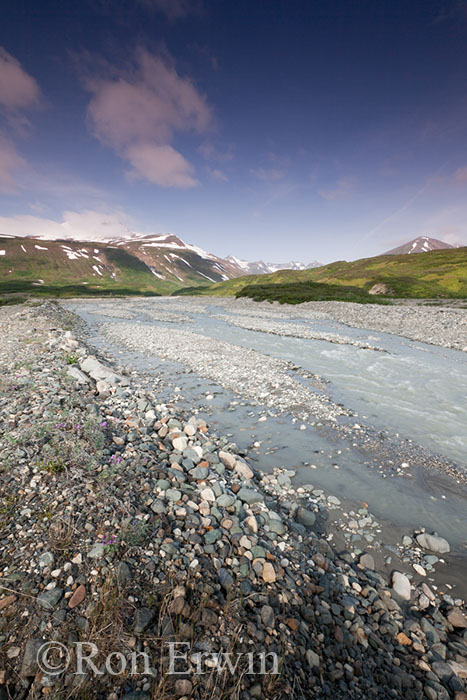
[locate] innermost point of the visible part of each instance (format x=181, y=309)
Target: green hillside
x=437, y=274
x=71, y=268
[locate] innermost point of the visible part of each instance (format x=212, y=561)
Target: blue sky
x=276, y=130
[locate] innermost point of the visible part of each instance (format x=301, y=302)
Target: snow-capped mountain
x=422, y=244
x=162, y=262
x=259, y=267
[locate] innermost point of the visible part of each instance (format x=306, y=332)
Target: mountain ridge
x=421, y=244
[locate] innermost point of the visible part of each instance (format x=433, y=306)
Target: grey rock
x=97, y=552
x=212, y=536
x=267, y=616
x=29, y=666
x=367, y=561
x=305, y=517
x=225, y=500
x=46, y=559
x=433, y=543
x=250, y=496
x=143, y=618
x=401, y=585
x=158, y=507
x=78, y=375
x=49, y=599
x=173, y=495
x=312, y=658
x=225, y=579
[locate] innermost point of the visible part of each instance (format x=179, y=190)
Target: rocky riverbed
x=129, y=524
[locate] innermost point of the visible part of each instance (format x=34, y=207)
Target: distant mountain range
x=259, y=267
x=422, y=244
x=152, y=263
x=161, y=263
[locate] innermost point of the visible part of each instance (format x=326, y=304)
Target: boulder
x=433, y=543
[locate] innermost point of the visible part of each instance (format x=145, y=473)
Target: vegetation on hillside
x=436, y=274
x=298, y=292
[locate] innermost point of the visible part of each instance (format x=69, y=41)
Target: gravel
x=228, y=559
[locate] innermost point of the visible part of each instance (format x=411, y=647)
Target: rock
x=103, y=388
x=97, y=371
x=367, y=561
x=158, y=507
x=433, y=543
x=173, y=495
x=49, y=599
x=212, y=536
x=334, y=500
x=225, y=500
x=267, y=616
x=401, y=585
x=419, y=569
x=78, y=375
x=29, y=666
x=250, y=496
x=97, y=552
x=46, y=560
x=8, y=600
x=180, y=443
x=244, y=470
x=252, y=524
x=380, y=288
x=305, y=517
x=207, y=494
x=457, y=618
x=183, y=687
x=403, y=639
x=269, y=575
x=225, y=579
x=312, y=658
x=143, y=618
x=77, y=597
x=13, y=652
x=276, y=526
x=227, y=459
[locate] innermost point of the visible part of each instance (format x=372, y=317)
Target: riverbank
x=127, y=523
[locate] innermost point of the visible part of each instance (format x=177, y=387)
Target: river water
x=414, y=390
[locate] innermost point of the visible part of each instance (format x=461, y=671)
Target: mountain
x=152, y=264
x=422, y=244
x=439, y=273
x=141, y=262
x=260, y=267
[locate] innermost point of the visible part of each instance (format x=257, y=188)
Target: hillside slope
x=439, y=273
x=72, y=267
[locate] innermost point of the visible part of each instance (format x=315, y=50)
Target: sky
x=267, y=129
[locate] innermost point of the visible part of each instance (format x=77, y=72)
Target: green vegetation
x=66, y=290
x=11, y=300
x=298, y=292
x=438, y=274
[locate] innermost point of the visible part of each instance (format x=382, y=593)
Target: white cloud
x=162, y=165
x=268, y=174
x=210, y=152
x=217, y=174
x=18, y=90
x=343, y=187
x=137, y=113
x=461, y=174
x=10, y=163
x=87, y=225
